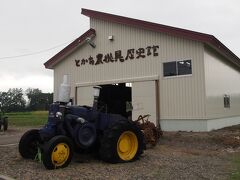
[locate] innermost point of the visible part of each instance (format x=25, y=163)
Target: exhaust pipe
x=64, y=90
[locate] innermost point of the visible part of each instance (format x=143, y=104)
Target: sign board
x=118, y=55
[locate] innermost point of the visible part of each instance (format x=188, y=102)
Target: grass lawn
x=34, y=118
x=236, y=174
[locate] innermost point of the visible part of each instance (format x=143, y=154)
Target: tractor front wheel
x=123, y=142
x=57, y=153
x=28, y=144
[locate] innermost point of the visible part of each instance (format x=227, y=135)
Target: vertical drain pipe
x=157, y=105
x=76, y=96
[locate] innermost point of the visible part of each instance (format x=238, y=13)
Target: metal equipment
x=150, y=131
x=73, y=128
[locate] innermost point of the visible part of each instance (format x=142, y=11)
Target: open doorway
x=116, y=99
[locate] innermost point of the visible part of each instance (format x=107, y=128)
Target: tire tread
x=108, y=150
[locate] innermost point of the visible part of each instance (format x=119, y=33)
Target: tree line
x=18, y=100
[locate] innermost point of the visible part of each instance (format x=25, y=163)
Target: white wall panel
x=221, y=78
x=144, y=100
x=85, y=95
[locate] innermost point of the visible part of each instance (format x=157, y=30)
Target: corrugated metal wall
x=221, y=78
x=144, y=100
x=183, y=97
x=85, y=95
x=180, y=97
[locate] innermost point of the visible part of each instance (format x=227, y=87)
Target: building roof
x=70, y=48
x=207, y=39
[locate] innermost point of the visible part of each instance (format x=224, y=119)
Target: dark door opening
x=116, y=99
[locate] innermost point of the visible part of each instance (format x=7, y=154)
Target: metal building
x=185, y=80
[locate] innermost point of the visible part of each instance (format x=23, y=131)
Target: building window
x=226, y=100
x=184, y=67
x=170, y=69
x=177, y=68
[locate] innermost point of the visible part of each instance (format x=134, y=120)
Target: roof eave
x=223, y=50
x=147, y=25
x=173, y=31
x=68, y=49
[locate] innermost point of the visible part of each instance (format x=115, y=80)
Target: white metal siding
x=183, y=97
x=180, y=97
x=144, y=99
x=85, y=95
x=221, y=78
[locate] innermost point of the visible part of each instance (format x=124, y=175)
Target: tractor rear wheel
x=5, y=124
x=123, y=142
x=57, y=153
x=28, y=144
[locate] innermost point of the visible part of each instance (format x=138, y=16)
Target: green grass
x=34, y=118
x=236, y=174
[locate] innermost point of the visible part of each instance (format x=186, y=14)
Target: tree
x=12, y=100
x=38, y=100
x=4, y=101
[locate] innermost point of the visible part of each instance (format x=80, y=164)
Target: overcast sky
x=30, y=26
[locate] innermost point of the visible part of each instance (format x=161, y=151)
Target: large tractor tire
x=57, y=152
x=123, y=142
x=5, y=124
x=28, y=144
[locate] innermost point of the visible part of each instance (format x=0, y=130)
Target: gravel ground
x=178, y=155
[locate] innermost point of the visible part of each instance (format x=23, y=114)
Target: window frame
x=226, y=101
x=175, y=67
x=178, y=68
x=177, y=75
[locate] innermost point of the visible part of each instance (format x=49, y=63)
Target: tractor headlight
x=80, y=120
x=59, y=114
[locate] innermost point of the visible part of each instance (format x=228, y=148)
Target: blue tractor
x=80, y=128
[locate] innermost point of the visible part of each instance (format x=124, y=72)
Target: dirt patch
x=15, y=130
x=12, y=135
x=229, y=137
x=218, y=139
x=178, y=155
